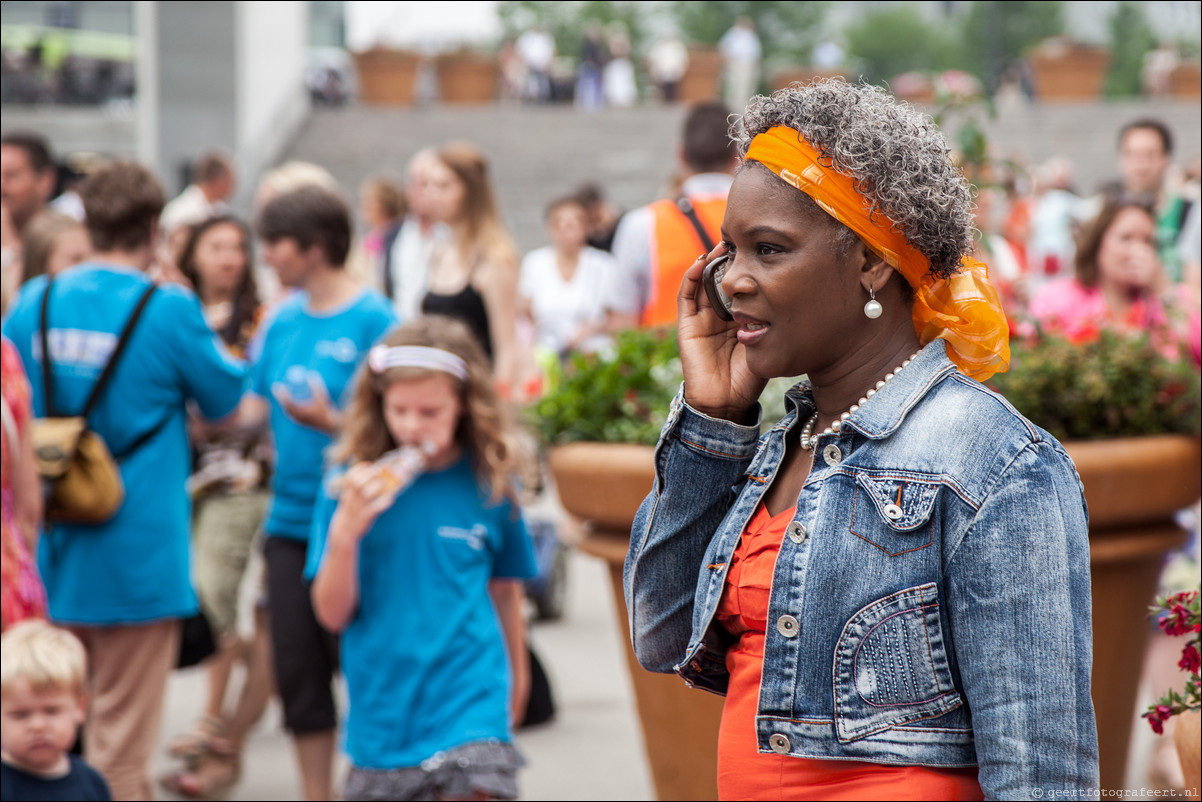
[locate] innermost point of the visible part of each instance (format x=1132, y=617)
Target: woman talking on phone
x=890, y=587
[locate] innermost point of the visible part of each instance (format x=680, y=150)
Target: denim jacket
x=930, y=603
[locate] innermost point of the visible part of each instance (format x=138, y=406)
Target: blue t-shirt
x=81, y=782
x=424, y=656
x=329, y=345
x=134, y=568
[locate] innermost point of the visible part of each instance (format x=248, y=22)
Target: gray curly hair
x=897, y=155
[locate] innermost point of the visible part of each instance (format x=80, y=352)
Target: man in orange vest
x=655, y=244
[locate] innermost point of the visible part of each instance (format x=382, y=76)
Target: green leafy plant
x=886, y=42
x=622, y=395
x=1099, y=384
x=1179, y=615
x=618, y=396
x=567, y=20
x=997, y=32
x=788, y=29
x=1130, y=40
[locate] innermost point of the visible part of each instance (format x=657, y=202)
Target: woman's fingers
x=688, y=301
x=691, y=298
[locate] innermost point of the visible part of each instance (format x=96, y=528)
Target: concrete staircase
x=541, y=152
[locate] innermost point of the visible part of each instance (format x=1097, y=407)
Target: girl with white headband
x=411, y=577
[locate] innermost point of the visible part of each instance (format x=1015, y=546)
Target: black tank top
x=466, y=306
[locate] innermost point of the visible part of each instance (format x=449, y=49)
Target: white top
x=537, y=48
x=189, y=208
x=411, y=254
x=560, y=308
x=740, y=44
x=668, y=59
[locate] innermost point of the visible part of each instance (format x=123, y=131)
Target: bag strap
x=128, y=331
x=47, y=363
x=144, y=439
x=686, y=208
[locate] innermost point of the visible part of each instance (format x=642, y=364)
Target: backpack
x=81, y=479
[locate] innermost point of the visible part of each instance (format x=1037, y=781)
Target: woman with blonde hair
x=417, y=533
x=53, y=243
x=474, y=273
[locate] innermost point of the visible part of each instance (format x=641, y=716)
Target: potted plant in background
x=387, y=76
x=467, y=76
x=1065, y=69
x=1127, y=408
x=1177, y=615
x=601, y=417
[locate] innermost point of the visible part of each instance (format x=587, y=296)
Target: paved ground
x=592, y=750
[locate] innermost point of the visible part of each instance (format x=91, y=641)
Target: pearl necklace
x=809, y=440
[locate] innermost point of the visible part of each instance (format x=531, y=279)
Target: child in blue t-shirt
x=421, y=569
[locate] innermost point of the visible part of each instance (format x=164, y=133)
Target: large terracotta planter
x=702, y=79
x=387, y=77
x=1187, y=732
x=1133, y=488
x=467, y=78
x=1068, y=71
x=601, y=485
x=1185, y=81
x=801, y=75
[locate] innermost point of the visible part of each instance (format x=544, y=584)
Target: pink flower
x=1190, y=661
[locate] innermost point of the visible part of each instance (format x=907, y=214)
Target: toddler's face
x=37, y=728
x=425, y=411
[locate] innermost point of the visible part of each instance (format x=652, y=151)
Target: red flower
x=1083, y=333
x=1190, y=661
x=1177, y=621
x=1157, y=717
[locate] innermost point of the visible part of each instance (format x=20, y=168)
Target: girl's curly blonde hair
x=486, y=430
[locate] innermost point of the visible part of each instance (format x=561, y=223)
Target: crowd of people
x=603, y=72
x=275, y=382
x=1127, y=256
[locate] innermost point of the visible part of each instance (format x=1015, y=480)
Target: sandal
x=194, y=744
x=211, y=776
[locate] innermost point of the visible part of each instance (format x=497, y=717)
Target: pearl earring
x=873, y=308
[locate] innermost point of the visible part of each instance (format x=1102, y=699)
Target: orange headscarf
x=963, y=309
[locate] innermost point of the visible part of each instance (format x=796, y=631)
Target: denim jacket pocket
x=894, y=513
x=891, y=665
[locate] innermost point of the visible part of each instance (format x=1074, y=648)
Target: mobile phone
x=711, y=279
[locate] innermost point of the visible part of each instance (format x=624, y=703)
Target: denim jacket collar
x=885, y=412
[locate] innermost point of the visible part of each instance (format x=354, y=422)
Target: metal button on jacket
x=780, y=744
x=787, y=625
x=796, y=532
x=893, y=512
x=832, y=454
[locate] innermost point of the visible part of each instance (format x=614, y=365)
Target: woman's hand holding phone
x=717, y=380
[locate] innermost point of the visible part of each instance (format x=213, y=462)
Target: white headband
x=380, y=358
